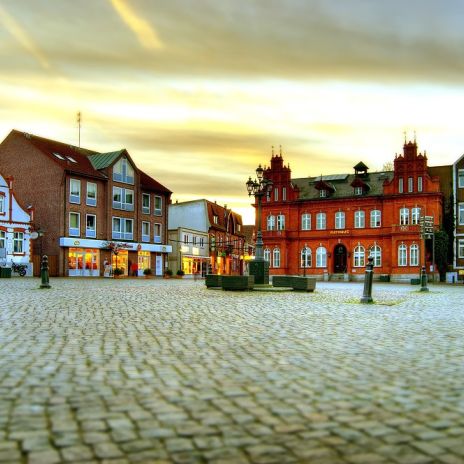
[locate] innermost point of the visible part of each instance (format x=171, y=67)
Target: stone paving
x=166, y=371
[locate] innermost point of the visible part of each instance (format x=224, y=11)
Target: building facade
x=15, y=227
x=328, y=226
x=225, y=245
x=93, y=211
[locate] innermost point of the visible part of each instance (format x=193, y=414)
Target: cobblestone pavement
x=161, y=371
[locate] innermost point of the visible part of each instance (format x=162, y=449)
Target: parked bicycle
x=20, y=269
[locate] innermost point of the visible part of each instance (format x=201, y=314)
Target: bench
x=213, y=280
x=237, y=282
x=306, y=284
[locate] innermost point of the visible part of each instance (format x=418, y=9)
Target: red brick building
x=329, y=225
x=90, y=208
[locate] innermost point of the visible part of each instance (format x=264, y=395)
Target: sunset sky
x=199, y=91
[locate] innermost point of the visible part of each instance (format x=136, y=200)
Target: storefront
x=90, y=258
x=195, y=265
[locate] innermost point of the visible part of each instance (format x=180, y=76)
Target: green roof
x=103, y=160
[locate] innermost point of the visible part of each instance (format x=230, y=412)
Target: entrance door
x=339, y=259
x=159, y=265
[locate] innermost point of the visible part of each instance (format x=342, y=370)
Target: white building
x=15, y=228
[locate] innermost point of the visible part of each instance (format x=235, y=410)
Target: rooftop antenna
x=79, y=126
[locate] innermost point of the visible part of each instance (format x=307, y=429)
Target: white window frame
x=402, y=255
x=123, y=172
x=415, y=215
x=276, y=257
x=18, y=242
x=284, y=193
x=420, y=184
x=376, y=253
x=158, y=211
x=145, y=208
x=404, y=216
x=376, y=218
x=323, y=193
x=460, y=178
x=270, y=222
x=400, y=185
x=414, y=255
x=2, y=204
x=267, y=255
x=145, y=233
x=359, y=256
x=321, y=221
x=321, y=257
x=410, y=184
x=461, y=214
x=75, y=191
x=358, y=191
x=461, y=248
x=306, y=258
x=306, y=221
x=91, y=201
x=122, y=233
x=359, y=219
x=75, y=231
x=2, y=239
x=124, y=204
x=158, y=238
x=340, y=220
x=276, y=194
x=280, y=222
x=91, y=233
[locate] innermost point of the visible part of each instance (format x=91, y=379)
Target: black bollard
x=367, y=294
x=44, y=273
x=423, y=279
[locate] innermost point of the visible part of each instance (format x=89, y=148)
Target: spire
x=273, y=151
x=280, y=150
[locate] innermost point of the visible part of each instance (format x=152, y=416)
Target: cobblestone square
x=166, y=371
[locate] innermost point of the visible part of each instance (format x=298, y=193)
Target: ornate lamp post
x=258, y=188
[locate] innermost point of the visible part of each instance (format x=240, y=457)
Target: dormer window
x=325, y=188
x=323, y=193
x=358, y=190
x=123, y=172
x=215, y=219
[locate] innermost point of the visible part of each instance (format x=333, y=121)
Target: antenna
x=79, y=126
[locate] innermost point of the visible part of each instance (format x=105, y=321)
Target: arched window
x=414, y=255
x=306, y=221
x=376, y=218
x=271, y=222
x=321, y=257
x=306, y=257
x=267, y=255
x=359, y=256
x=402, y=255
x=276, y=257
x=376, y=253
x=280, y=222
x=415, y=215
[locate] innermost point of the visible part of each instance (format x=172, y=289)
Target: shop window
x=75, y=191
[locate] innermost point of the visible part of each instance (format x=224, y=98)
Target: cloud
x=23, y=38
x=145, y=33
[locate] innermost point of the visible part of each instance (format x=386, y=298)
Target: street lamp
x=258, y=188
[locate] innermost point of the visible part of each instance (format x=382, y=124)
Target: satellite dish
x=34, y=235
